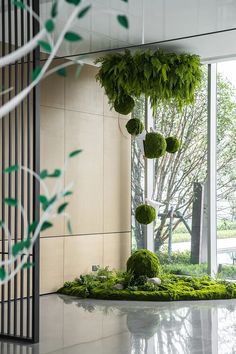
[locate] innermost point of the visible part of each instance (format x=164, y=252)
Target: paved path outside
x=224, y=247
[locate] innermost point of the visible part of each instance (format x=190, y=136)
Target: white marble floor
x=73, y=326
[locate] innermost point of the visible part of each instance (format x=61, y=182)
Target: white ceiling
x=152, y=21
x=155, y=21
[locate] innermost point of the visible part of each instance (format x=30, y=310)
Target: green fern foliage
x=166, y=77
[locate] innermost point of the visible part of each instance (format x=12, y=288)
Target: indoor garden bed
x=140, y=283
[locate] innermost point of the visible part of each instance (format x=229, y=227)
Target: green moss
x=145, y=214
x=143, y=263
x=125, y=105
x=173, y=288
x=134, y=126
x=154, y=145
x=172, y=144
x=164, y=77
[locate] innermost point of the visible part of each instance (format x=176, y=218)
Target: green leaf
x=32, y=227
x=84, y=11
x=27, y=243
x=123, y=21
x=43, y=199
x=56, y=173
x=78, y=70
x=17, y=248
x=46, y=225
x=19, y=4
x=49, y=202
x=12, y=168
x=74, y=2
x=75, y=153
x=61, y=72
x=49, y=25
x=66, y=194
x=62, y=207
x=36, y=72
x=43, y=174
x=11, y=201
x=45, y=46
x=46, y=202
x=2, y=273
x=72, y=37
x=54, y=9
x=28, y=265
x=69, y=228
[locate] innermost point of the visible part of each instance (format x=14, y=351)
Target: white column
x=149, y=181
x=212, y=170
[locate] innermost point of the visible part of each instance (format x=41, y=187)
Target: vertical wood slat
x=19, y=145
x=3, y=166
x=9, y=176
x=16, y=175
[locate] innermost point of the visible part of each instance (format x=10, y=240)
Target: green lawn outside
x=185, y=237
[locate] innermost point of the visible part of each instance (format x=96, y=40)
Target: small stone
x=156, y=281
x=118, y=287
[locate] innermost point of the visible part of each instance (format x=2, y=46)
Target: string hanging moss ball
x=172, y=144
x=134, y=126
x=143, y=262
x=125, y=105
x=154, y=145
x=145, y=214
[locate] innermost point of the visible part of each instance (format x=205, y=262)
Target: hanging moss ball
x=145, y=214
x=125, y=105
x=154, y=145
x=144, y=263
x=172, y=144
x=143, y=324
x=134, y=126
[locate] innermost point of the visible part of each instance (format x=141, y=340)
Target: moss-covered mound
x=125, y=105
x=172, y=288
x=172, y=144
x=145, y=214
x=143, y=262
x=134, y=126
x=154, y=145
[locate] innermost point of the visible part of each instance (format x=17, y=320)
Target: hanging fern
x=165, y=77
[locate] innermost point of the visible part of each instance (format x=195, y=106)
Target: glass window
x=180, y=232
x=226, y=169
x=137, y=179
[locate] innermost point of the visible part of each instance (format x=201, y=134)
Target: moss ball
x=145, y=214
x=134, y=126
x=125, y=105
x=143, y=262
x=172, y=144
x=154, y=145
x=143, y=324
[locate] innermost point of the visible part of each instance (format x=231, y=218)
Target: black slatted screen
x=19, y=144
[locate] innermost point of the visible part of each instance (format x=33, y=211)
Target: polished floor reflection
x=72, y=326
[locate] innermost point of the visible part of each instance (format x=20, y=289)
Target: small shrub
x=172, y=144
x=134, y=126
x=154, y=145
x=148, y=287
x=145, y=214
x=143, y=263
x=104, y=272
x=125, y=105
x=176, y=257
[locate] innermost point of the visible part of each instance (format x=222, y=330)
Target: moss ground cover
x=172, y=288
x=140, y=283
